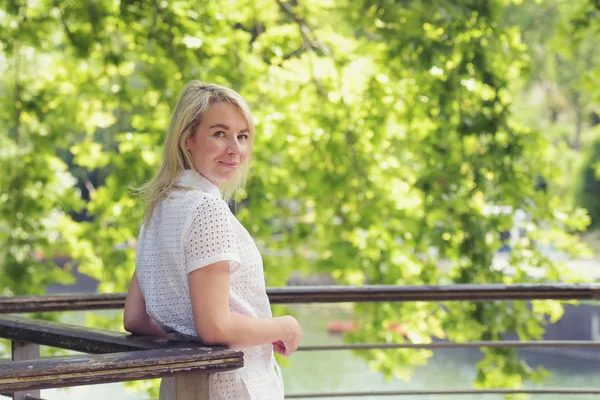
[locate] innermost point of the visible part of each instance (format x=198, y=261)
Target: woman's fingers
x=279, y=347
x=289, y=347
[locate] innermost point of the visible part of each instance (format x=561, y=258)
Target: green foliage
x=588, y=188
x=558, y=96
x=385, y=133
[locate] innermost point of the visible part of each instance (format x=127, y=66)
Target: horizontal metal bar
x=575, y=391
x=66, y=302
x=378, y=293
x=329, y=294
x=453, y=345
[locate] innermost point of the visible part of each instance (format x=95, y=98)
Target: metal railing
x=342, y=294
x=574, y=391
x=329, y=294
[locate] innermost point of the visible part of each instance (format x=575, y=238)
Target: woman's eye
x=219, y=133
x=243, y=136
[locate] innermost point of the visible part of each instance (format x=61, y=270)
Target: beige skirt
x=257, y=380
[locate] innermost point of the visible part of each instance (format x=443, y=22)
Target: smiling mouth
x=229, y=164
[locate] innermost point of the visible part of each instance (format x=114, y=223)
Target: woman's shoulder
x=195, y=201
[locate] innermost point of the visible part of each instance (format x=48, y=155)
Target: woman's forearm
x=238, y=330
x=247, y=331
x=135, y=316
x=144, y=325
x=215, y=323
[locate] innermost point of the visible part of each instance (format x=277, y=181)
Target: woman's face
x=221, y=143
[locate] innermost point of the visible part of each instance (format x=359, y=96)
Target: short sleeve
x=211, y=237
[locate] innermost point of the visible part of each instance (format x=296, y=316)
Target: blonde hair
x=193, y=102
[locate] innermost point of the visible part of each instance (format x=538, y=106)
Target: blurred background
x=398, y=142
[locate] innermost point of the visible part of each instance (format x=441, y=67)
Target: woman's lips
x=229, y=164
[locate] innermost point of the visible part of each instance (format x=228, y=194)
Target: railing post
x=191, y=386
x=25, y=351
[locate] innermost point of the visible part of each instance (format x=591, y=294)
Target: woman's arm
x=216, y=324
x=135, y=317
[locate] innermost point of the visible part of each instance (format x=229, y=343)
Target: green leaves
x=387, y=151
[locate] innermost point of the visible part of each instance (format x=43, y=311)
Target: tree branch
x=308, y=42
x=305, y=30
x=171, y=41
x=64, y=24
x=17, y=99
x=89, y=185
x=93, y=16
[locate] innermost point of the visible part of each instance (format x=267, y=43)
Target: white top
x=190, y=229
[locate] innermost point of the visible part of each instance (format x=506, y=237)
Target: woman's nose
x=233, y=146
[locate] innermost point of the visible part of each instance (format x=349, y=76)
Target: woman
x=198, y=271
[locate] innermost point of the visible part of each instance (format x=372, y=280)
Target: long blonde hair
x=193, y=102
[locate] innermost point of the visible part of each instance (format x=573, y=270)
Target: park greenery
x=388, y=133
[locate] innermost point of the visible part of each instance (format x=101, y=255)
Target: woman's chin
x=225, y=178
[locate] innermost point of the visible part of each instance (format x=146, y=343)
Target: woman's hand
x=279, y=347
x=289, y=343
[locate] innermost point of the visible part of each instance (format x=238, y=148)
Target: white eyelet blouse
x=190, y=229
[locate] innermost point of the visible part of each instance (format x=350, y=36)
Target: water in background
x=344, y=371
